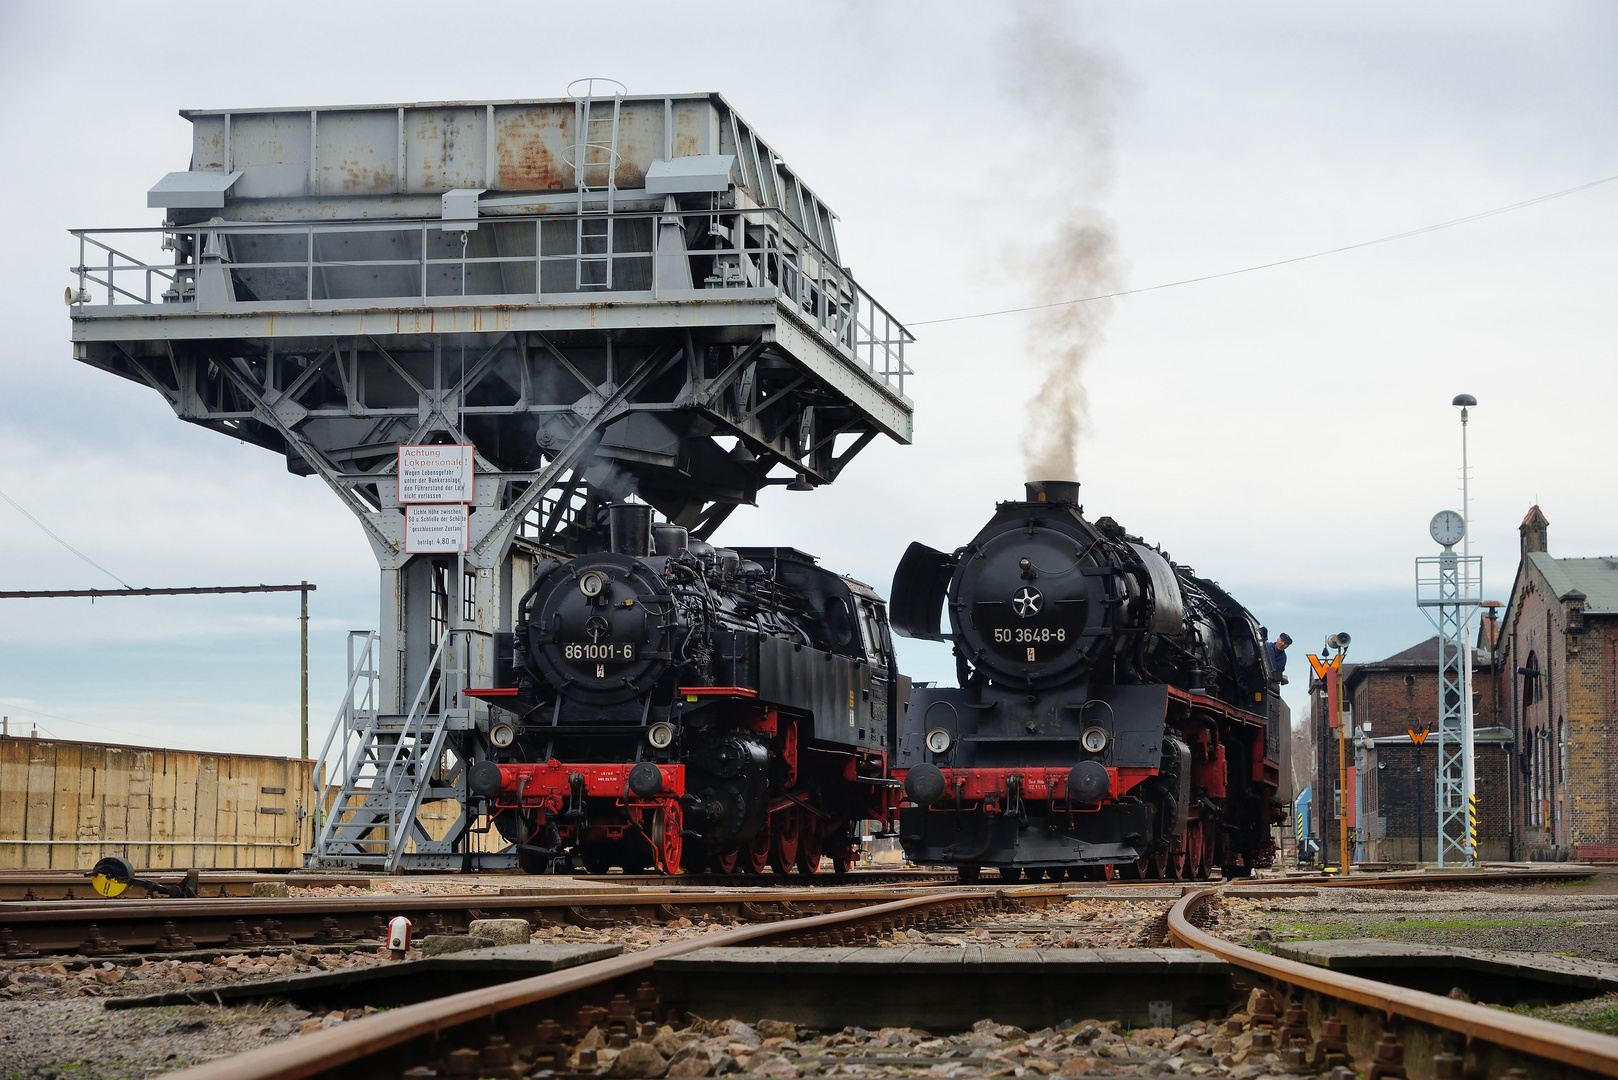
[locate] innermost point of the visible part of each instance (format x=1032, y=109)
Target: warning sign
x=435, y=474
x=435, y=529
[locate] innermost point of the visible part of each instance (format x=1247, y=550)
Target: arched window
x=1531, y=682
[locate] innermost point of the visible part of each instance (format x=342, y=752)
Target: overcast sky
x=1287, y=432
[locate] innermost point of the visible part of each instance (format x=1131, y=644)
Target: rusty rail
x=331, y=1049
x=112, y=928
x=1480, y=1041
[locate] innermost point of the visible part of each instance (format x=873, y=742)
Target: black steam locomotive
x=680, y=705
x=1111, y=711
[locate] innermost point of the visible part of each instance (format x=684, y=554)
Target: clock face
x=1447, y=527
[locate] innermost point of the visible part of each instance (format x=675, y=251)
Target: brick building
x=1558, y=691
x=1393, y=779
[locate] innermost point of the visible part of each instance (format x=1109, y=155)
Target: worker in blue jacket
x=1278, y=657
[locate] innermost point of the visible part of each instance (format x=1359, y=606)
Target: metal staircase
x=595, y=168
x=388, y=765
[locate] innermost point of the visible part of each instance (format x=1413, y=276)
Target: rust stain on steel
x=1539, y=1038
x=524, y=156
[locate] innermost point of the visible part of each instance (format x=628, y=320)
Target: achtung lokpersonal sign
x=435, y=529
x=435, y=474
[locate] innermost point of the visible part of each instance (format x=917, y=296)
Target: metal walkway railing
x=248, y=267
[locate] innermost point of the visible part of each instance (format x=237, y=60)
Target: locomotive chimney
x=1053, y=491
x=631, y=525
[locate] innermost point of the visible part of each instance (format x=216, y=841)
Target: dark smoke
x=1069, y=90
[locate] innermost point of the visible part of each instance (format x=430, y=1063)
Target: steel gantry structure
x=1445, y=591
x=606, y=296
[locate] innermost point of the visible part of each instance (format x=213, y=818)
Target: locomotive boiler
x=676, y=704
x=1111, y=711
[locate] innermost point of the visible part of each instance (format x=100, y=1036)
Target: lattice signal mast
x=604, y=295
x=1443, y=599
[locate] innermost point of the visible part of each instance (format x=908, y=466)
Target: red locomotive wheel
x=810, y=845
x=840, y=846
x=1159, y=864
x=667, y=822
x=1108, y=871
x=725, y=862
x=1194, y=854
x=784, y=832
x=1174, y=860
x=757, y=858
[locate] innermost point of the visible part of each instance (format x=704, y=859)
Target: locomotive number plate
x=609, y=652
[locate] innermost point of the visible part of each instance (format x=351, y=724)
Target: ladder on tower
x=386, y=764
x=594, y=156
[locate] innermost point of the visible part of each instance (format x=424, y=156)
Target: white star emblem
x=1027, y=601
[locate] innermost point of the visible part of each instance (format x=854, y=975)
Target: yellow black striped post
x=1472, y=825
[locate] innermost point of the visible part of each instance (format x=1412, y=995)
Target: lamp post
x=1326, y=666
x=1466, y=402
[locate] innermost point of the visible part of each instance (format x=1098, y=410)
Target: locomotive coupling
x=924, y=783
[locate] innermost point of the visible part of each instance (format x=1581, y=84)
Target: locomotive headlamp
x=660, y=735
x=502, y=735
x=592, y=583
x=938, y=740
x=1094, y=740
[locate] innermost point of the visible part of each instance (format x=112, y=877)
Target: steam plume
x=1071, y=91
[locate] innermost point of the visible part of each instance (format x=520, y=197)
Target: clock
x=1447, y=527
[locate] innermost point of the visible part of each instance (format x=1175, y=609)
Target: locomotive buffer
x=603, y=295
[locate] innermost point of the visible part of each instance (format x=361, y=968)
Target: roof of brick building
x=1422, y=655
x=1597, y=579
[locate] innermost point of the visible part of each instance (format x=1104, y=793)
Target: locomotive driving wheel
x=1195, y=855
x=784, y=834
x=725, y=862
x=810, y=845
x=1174, y=860
x=756, y=857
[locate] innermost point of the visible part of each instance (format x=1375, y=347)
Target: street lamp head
x=1463, y=400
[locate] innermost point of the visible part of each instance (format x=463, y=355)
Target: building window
x=469, y=597
x=438, y=619
x=1531, y=683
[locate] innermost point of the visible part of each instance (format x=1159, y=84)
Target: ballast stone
x=500, y=931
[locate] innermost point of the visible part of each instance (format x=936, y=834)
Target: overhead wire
x=18, y=507
x=1407, y=234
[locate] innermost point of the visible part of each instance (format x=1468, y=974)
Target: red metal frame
x=549, y=786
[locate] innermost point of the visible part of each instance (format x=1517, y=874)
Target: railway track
x=112, y=928
x=1316, y=1015
x=1316, y=1020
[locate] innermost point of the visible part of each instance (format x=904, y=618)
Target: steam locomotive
x=677, y=705
x=1111, y=712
